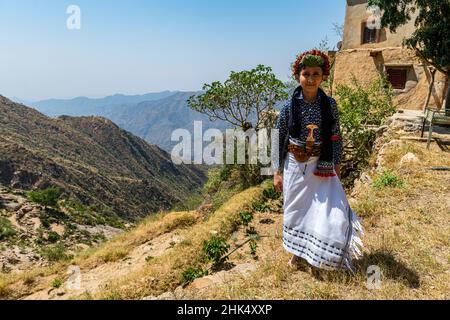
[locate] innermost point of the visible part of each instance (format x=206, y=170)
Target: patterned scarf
x=325, y=166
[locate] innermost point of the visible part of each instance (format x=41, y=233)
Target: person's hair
x=321, y=60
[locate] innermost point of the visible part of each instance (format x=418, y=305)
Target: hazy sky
x=135, y=47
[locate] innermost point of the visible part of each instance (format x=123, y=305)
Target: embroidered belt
x=302, y=154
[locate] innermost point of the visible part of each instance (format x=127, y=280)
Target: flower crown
x=313, y=58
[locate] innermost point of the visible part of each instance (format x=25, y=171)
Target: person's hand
x=278, y=181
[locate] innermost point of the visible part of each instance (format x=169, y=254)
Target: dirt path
x=93, y=280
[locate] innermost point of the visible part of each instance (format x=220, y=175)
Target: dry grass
x=18, y=285
x=164, y=273
x=159, y=274
x=407, y=236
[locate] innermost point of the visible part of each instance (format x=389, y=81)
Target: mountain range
x=152, y=116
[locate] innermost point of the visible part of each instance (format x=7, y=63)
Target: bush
x=53, y=237
x=55, y=253
x=191, y=274
x=57, y=283
x=270, y=193
x=6, y=229
x=46, y=197
x=388, y=179
x=92, y=215
x=260, y=205
x=359, y=107
x=215, y=249
x=246, y=217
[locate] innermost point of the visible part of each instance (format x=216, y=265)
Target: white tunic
x=319, y=224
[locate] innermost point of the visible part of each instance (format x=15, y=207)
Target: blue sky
x=141, y=46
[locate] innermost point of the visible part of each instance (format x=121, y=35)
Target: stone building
x=368, y=50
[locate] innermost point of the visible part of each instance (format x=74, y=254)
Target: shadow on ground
x=390, y=268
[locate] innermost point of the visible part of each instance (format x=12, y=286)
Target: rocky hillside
x=33, y=235
x=92, y=160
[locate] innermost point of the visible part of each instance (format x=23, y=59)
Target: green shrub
x=260, y=205
x=246, y=217
x=53, y=237
x=92, y=215
x=215, y=249
x=270, y=193
x=55, y=253
x=6, y=229
x=388, y=179
x=46, y=197
x=359, y=107
x=56, y=283
x=214, y=180
x=191, y=274
x=253, y=247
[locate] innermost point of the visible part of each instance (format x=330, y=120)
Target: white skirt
x=319, y=224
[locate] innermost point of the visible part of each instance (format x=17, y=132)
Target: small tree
x=431, y=40
x=242, y=99
x=246, y=100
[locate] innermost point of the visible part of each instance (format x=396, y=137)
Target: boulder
x=11, y=206
x=409, y=158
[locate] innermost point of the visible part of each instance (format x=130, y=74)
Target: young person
x=319, y=225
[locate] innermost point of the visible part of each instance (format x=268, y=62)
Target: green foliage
x=241, y=98
x=191, y=274
x=215, y=178
x=432, y=34
x=45, y=197
x=243, y=101
x=253, y=247
x=388, y=179
x=359, y=107
x=215, y=249
x=6, y=229
x=260, y=205
x=246, y=217
x=53, y=237
x=221, y=186
x=362, y=105
x=91, y=215
x=270, y=193
x=148, y=259
x=57, y=283
x=55, y=253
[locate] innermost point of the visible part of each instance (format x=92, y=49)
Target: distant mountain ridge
x=92, y=160
x=81, y=106
x=152, y=116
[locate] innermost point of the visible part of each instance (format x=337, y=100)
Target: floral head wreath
x=313, y=58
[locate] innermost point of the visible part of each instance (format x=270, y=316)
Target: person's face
x=311, y=78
